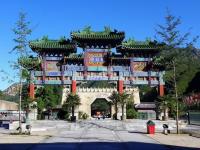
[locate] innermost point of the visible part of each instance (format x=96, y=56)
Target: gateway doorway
x=101, y=108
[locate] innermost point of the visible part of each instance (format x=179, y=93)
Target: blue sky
x=57, y=18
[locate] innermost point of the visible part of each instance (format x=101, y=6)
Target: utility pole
x=176, y=96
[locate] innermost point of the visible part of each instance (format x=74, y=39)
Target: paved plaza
x=95, y=134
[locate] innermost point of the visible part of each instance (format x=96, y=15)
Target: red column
x=161, y=90
x=74, y=86
x=32, y=91
x=120, y=86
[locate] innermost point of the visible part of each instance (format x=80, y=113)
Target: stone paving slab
x=95, y=135
x=183, y=140
x=21, y=139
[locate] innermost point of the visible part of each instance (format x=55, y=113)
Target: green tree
x=179, y=56
x=101, y=105
x=48, y=97
x=178, y=49
x=115, y=100
x=163, y=104
x=21, y=31
x=1, y=93
x=72, y=101
x=147, y=94
x=25, y=98
x=131, y=113
x=123, y=98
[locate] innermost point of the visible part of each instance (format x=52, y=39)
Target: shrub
x=85, y=116
x=80, y=115
x=66, y=117
x=131, y=114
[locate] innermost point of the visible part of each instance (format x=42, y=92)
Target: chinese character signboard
x=96, y=58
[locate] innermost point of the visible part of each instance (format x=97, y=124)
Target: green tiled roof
x=139, y=46
x=98, y=35
x=52, y=45
x=129, y=47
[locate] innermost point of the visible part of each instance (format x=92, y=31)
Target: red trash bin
x=150, y=127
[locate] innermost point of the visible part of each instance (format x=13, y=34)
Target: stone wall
x=89, y=95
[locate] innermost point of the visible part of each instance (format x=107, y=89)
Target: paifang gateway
x=131, y=65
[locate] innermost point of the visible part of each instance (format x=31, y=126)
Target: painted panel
x=53, y=81
x=68, y=73
x=120, y=68
x=38, y=73
x=53, y=58
x=140, y=73
x=38, y=82
x=139, y=66
x=114, y=78
x=155, y=74
x=154, y=82
x=67, y=82
x=53, y=73
x=139, y=82
x=79, y=78
x=141, y=59
x=52, y=66
x=73, y=67
x=97, y=50
x=126, y=73
x=127, y=82
x=97, y=78
x=97, y=68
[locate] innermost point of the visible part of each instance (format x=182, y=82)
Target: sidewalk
x=193, y=130
x=182, y=140
x=7, y=138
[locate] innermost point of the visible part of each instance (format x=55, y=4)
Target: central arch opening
x=101, y=108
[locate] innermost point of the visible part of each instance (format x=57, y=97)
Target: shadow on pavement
x=140, y=132
x=92, y=146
